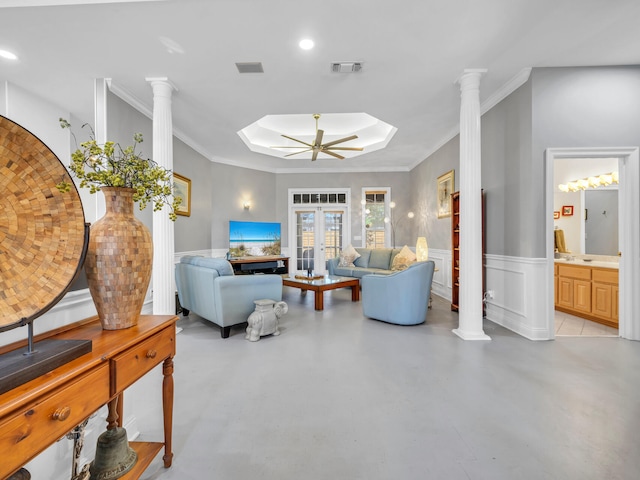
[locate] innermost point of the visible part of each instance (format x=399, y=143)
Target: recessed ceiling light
x=306, y=44
x=8, y=55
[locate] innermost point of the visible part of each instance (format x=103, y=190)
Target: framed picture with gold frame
x=446, y=185
x=182, y=189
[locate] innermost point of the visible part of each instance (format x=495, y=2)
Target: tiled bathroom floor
x=571, y=326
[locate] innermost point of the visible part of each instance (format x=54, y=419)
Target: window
x=374, y=204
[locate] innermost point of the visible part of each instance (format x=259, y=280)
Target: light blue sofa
x=378, y=260
x=402, y=297
x=209, y=288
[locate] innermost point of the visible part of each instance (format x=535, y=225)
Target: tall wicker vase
x=119, y=260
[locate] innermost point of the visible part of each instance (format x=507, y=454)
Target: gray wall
x=230, y=186
x=513, y=192
x=557, y=107
x=580, y=107
x=194, y=232
x=123, y=122
x=423, y=181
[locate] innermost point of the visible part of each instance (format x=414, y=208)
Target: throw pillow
x=351, y=251
x=347, y=257
x=403, y=259
x=346, y=260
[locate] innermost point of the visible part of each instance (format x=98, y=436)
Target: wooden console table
x=252, y=264
x=36, y=414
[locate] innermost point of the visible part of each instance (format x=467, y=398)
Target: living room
x=546, y=107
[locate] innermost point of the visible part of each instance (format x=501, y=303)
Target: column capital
x=470, y=76
x=160, y=82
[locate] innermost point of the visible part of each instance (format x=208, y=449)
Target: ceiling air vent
x=249, y=67
x=346, y=67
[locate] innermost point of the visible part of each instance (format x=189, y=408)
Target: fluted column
x=471, y=295
x=163, y=228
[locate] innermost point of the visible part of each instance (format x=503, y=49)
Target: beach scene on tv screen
x=254, y=239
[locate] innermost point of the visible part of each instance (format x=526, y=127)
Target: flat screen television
x=254, y=239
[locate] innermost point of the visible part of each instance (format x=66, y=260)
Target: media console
x=251, y=265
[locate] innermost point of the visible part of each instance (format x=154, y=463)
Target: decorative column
x=471, y=295
x=164, y=302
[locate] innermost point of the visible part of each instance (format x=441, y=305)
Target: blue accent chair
x=401, y=298
x=209, y=288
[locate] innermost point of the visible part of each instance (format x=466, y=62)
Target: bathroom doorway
x=586, y=233
x=629, y=234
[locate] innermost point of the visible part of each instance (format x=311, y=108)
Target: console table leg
x=167, y=409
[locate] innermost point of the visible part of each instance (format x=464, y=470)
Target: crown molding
x=503, y=92
x=507, y=89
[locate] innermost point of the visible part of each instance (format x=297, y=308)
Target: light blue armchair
x=209, y=288
x=402, y=297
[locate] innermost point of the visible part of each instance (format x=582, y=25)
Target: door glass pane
x=332, y=233
x=305, y=232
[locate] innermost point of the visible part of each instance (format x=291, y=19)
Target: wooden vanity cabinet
x=587, y=292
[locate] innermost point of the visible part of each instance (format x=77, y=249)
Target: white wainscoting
x=216, y=253
x=520, y=298
x=441, y=284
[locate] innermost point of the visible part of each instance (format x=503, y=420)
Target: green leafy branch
x=110, y=165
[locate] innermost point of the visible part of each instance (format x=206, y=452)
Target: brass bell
x=22, y=474
x=114, y=456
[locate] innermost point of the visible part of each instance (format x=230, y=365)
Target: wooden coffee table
x=320, y=285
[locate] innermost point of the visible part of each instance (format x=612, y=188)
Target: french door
x=319, y=232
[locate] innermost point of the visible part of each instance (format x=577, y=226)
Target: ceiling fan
x=318, y=147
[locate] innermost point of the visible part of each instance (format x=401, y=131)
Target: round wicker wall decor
x=43, y=236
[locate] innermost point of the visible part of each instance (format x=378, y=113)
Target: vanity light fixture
x=589, y=182
x=246, y=205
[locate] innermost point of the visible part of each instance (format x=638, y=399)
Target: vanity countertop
x=580, y=262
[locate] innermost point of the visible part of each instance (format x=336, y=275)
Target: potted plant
x=120, y=252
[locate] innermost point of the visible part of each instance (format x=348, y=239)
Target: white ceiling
x=412, y=52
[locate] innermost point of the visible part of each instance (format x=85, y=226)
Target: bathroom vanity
x=587, y=289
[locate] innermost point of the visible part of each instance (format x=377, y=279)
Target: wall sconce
x=422, y=249
x=246, y=205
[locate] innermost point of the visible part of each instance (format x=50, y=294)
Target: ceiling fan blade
x=356, y=149
x=285, y=146
x=329, y=152
x=301, y=151
x=318, y=141
x=315, y=155
x=345, y=139
x=299, y=141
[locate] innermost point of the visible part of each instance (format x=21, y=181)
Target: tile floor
x=338, y=396
x=571, y=326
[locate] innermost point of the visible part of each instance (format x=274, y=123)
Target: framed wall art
x=567, y=210
x=182, y=189
x=556, y=215
x=446, y=185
